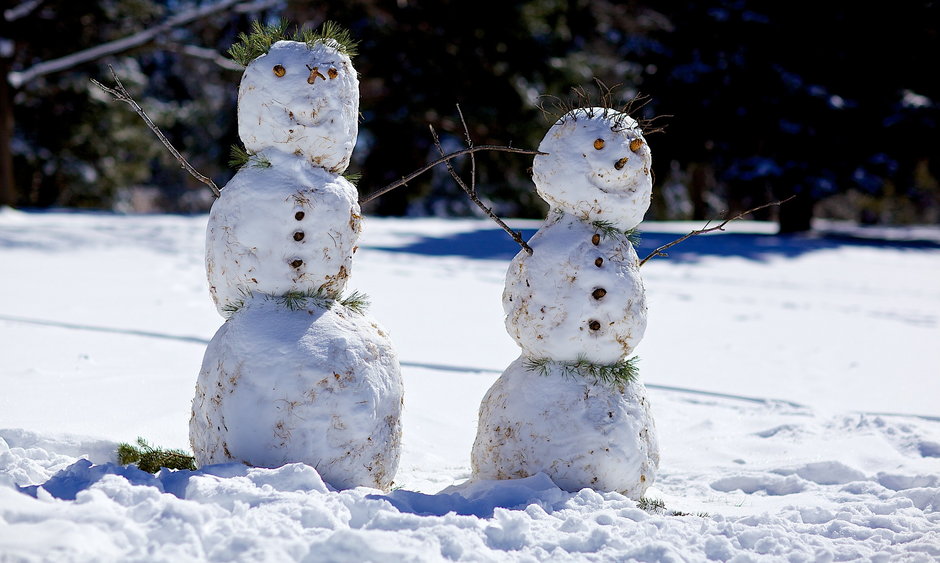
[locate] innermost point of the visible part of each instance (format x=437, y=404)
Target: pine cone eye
x=599, y=144
x=279, y=71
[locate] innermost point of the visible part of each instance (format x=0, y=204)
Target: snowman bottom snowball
x=581, y=433
x=318, y=384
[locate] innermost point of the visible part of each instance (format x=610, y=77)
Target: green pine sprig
x=622, y=372
x=250, y=46
x=352, y=177
x=151, y=459
x=356, y=302
x=239, y=157
x=331, y=34
x=607, y=229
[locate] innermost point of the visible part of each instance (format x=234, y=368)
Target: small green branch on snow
x=151, y=459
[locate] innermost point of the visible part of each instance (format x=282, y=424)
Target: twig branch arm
x=720, y=227
x=121, y=94
x=471, y=190
x=445, y=158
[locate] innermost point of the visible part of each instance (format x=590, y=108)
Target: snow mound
x=228, y=512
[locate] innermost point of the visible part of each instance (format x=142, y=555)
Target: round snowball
x=301, y=100
x=288, y=227
x=597, y=167
x=581, y=434
x=318, y=385
x=572, y=299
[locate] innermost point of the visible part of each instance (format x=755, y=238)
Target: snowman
x=296, y=373
x=570, y=406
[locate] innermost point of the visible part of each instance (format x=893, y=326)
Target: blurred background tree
x=832, y=102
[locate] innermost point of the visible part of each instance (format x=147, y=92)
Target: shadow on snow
x=495, y=244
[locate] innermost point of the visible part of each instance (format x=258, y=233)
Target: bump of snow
x=315, y=385
x=550, y=302
x=251, y=239
x=301, y=100
x=611, y=183
x=580, y=433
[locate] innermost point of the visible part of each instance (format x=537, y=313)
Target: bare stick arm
x=707, y=229
x=120, y=94
x=471, y=190
x=445, y=158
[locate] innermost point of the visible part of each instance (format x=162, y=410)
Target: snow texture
x=288, y=227
x=572, y=299
x=581, y=433
x=302, y=101
x=318, y=384
x=597, y=167
x=765, y=360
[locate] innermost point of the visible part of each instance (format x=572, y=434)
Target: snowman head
x=301, y=98
x=597, y=167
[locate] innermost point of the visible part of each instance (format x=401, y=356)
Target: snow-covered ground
x=795, y=384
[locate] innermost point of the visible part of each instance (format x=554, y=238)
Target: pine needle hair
x=258, y=41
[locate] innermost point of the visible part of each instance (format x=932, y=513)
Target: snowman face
x=303, y=101
x=597, y=167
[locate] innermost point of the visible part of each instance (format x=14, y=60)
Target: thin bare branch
x=203, y=53
x=707, y=229
x=17, y=79
x=22, y=10
x=398, y=183
x=473, y=160
x=121, y=94
x=471, y=191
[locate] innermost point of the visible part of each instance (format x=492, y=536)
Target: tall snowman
x=296, y=373
x=570, y=406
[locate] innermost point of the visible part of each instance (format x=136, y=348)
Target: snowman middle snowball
x=295, y=374
x=576, y=301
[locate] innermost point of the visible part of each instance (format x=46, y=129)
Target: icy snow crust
x=288, y=227
x=319, y=385
x=611, y=183
x=303, y=101
x=550, y=298
x=581, y=433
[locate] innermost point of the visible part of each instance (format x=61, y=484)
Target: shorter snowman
x=571, y=406
x=296, y=373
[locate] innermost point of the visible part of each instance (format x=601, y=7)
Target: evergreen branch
x=120, y=94
x=657, y=506
x=622, y=372
x=471, y=189
x=239, y=157
x=331, y=34
x=250, y=46
x=151, y=459
x=707, y=229
x=352, y=177
x=296, y=300
x=608, y=229
x=356, y=302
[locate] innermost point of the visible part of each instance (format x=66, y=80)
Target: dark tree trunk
x=796, y=215
x=7, y=189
